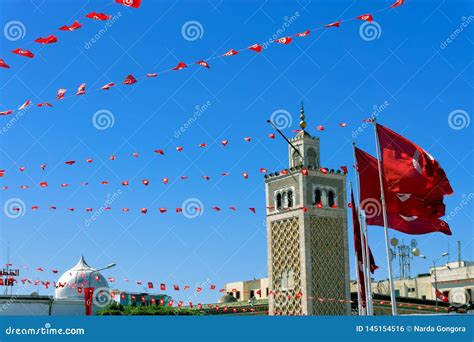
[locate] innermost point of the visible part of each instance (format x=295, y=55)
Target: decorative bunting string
x=130, y=79
x=197, y=290
x=160, y=152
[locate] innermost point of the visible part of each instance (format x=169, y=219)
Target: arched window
x=317, y=196
x=296, y=160
x=331, y=198
x=284, y=199
x=311, y=157
x=278, y=200
x=290, y=199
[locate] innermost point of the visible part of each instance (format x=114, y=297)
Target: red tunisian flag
x=440, y=296
x=407, y=168
x=358, y=252
x=130, y=3
x=88, y=298
x=373, y=266
x=414, y=216
x=407, y=204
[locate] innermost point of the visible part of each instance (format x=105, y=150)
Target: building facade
x=307, y=234
x=455, y=280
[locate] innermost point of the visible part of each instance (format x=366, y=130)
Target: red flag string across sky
x=131, y=79
x=196, y=290
x=161, y=152
x=192, y=209
x=150, y=181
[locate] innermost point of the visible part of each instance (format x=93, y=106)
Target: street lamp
x=88, y=300
x=101, y=269
x=434, y=270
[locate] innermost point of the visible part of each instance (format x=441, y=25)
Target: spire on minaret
x=302, y=117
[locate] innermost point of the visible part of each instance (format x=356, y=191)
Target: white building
x=455, y=280
x=68, y=299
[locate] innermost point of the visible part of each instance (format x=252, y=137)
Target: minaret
x=308, y=263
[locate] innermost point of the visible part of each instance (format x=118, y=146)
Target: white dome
x=80, y=276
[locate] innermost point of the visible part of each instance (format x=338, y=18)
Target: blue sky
x=410, y=69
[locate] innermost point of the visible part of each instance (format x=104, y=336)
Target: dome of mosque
x=228, y=298
x=71, y=284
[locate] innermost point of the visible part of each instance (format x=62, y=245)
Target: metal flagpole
x=289, y=143
x=286, y=139
x=385, y=223
x=359, y=303
x=359, y=299
x=369, y=279
x=363, y=242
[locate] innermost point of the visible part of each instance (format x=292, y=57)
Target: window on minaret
x=278, y=200
x=311, y=157
x=290, y=199
x=296, y=159
x=284, y=281
x=331, y=198
x=291, y=280
x=317, y=196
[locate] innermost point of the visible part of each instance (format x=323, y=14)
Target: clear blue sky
x=339, y=75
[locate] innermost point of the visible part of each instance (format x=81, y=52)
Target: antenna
x=405, y=254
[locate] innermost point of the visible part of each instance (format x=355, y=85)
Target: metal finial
x=302, y=117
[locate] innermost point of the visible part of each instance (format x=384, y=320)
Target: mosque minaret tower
x=308, y=262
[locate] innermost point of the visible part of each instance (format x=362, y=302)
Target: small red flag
x=397, y=3
x=181, y=65
x=48, y=40
x=255, y=47
x=129, y=80
x=108, y=86
x=231, y=52
x=98, y=16
x=284, y=40
x=366, y=17
x=441, y=296
x=26, y=53
x=335, y=24
x=130, y=3
x=3, y=64
x=61, y=93
x=203, y=64
x=303, y=34
x=76, y=25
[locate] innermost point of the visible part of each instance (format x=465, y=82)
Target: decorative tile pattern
x=285, y=253
x=327, y=265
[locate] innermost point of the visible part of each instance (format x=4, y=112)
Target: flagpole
x=359, y=303
x=385, y=223
x=369, y=278
x=359, y=298
x=363, y=241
